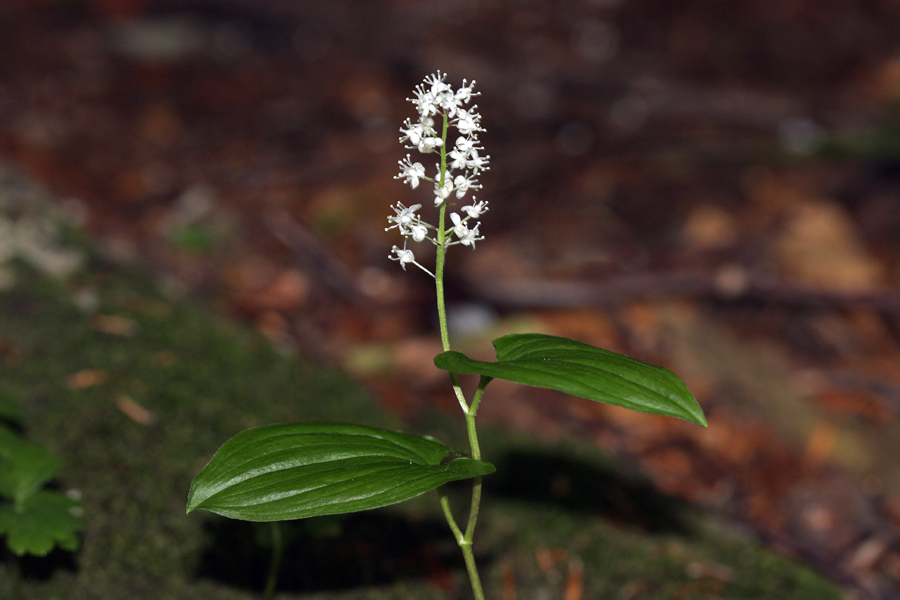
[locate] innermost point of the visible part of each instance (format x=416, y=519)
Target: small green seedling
x=34, y=520
x=299, y=470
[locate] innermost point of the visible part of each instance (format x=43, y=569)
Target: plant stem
x=463, y=539
x=476, y=454
x=275, y=564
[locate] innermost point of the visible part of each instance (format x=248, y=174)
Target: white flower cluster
x=456, y=173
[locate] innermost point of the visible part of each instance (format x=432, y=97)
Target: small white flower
x=403, y=256
x=433, y=96
x=404, y=217
x=450, y=105
x=436, y=81
x=411, y=172
x=429, y=144
x=406, y=257
x=463, y=184
x=441, y=193
x=457, y=158
x=476, y=210
x=466, y=143
x=471, y=237
x=466, y=236
x=424, y=102
x=458, y=224
x=412, y=133
x=477, y=163
x=419, y=231
x=465, y=93
x=467, y=121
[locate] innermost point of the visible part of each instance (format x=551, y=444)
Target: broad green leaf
x=582, y=370
x=24, y=466
x=298, y=470
x=45, y=520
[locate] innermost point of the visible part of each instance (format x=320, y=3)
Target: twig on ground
x=727, y=284
x=312, y=256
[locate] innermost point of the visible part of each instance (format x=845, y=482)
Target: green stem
x=275, y=564
x=440, y=261
x=476, y=454
x=472, y=568
x=463, y=539
x=448, y=514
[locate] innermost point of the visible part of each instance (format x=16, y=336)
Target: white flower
x=419, y=231
x=466, y=143
x=471, y=236
x=465, y=93
x=436, y=81
x=429, y=144
x=406, y=257
x=466, y=236
x=465, y=155
x=477, y=163
x=424, y=102
x=413, y=133
x=404, y=217
x=433, y=95
x=463, y=184
x=411, y=172
x=467, y=121
x=476, y=210
x=403, y=256
x=441, y=193
x=457, y=158
x=442, y=96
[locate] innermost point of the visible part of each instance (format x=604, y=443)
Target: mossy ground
x=549, y=512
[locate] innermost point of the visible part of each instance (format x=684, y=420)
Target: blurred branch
x=729, y=284
x=311, y=256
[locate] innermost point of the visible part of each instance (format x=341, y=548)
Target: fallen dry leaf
x=114, y=325
x=86, y=378
x=135, y=411
x=821, y=442
x=575, y=580
x=709, y=227
x=820, y=246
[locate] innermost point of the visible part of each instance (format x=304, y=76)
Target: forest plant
x=34, y=520
x=299, y=470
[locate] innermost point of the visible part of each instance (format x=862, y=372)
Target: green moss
x=202, y=380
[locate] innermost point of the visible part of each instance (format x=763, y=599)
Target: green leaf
x=298, y=470
x=24, y=466
x=582, y=370
x=45, y=520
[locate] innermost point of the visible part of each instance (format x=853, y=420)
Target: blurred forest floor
x=710, y=186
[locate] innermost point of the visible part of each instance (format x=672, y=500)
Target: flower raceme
x=441, y=108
